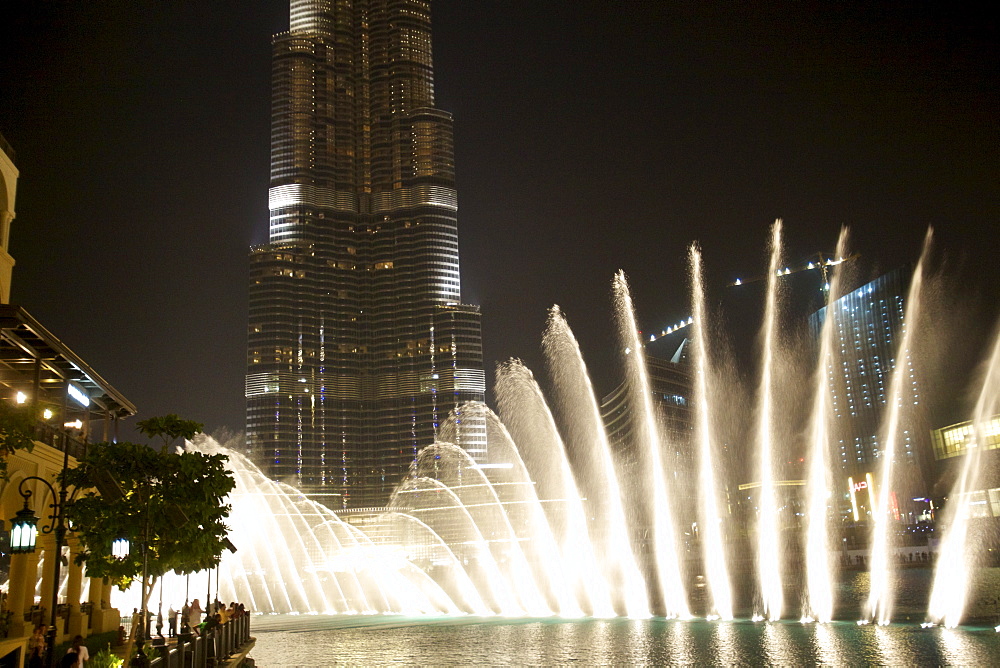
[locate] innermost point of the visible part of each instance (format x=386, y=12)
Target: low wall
x=13, y=651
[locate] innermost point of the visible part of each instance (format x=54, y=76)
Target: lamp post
x=24, y=533
x=140, y=660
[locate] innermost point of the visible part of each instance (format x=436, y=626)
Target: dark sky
x=590, y=136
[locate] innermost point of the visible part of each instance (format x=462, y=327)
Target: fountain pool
x=394, y=640
x=556, y=526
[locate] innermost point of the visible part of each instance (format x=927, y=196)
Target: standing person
x=36, y=647
x=171, y=622
x=194, y=615
x=78, y=648
x=135, y=623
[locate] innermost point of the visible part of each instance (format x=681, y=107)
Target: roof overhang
x=30, y=354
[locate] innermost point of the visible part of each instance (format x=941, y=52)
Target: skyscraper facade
x=359, y=345
x=868, y=330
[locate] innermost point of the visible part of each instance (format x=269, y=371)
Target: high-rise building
x=869, y=323
x=671, y=386
x=359, y=343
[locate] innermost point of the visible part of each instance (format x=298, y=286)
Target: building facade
x=671, y=385
x=8, y=193
x=869, y=323
x=359, y=345
x=951, y=446
x=73, y=406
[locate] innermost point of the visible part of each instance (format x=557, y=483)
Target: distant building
x=869, y=325
x=671, y=385
x=359, y=344
x=951, y=445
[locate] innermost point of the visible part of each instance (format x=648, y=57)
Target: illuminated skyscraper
x=868, y=330
x=359, y=343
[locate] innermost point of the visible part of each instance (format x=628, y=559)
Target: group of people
x=76, y=655
x=218, y=614
x=196, y=617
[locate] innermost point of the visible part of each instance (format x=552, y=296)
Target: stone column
x=21, y=590
x=104, y=617
x=30, y=580
x=74, y=586
x=48, y=546
x=6, y=218
x=94, y=596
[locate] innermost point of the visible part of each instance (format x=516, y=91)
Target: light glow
x=77, y=394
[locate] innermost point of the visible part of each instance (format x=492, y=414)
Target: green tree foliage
x=17, y=428
x=169, y=428
x=172, y=503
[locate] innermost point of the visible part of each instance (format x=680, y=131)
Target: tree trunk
x=143, y=621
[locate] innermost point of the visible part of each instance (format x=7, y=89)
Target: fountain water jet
x=599, y=478
x=664, y=539
x=713, y=548
x=528, y=417
x=517, y=492
x=819, y=588
x=542, y=526
x=768, y=538
x=880, y=596
x=953, y=573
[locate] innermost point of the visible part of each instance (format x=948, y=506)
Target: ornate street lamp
x=23, y=531
x=120, y=548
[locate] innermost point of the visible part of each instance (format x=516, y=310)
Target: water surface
x=322, y=640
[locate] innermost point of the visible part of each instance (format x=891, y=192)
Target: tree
x=171, y=503
x=170, y=508
x=17, y=432
x=169, y=428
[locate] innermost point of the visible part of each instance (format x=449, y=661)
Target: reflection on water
x=378, y=640
x=828, y=645
x=777, y=644
x=725, y=644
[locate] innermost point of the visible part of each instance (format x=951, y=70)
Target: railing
x=209, y=649
x=46, y=433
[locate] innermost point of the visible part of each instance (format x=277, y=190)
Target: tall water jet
x=481, y=499
x=555, y=571
x=768, y=537
x=713, y=548
x=953, y=573
x=541, y=526
x=819, y=585
x=527, y=416
x=879, y=607
x=664, y=538
x=575, y=393
x=457, y=528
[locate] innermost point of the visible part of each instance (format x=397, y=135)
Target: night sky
x=590, y=137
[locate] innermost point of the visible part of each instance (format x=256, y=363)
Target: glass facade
x=868, y=328
x=359, y=345
x=954, y=441
x=668, y=368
